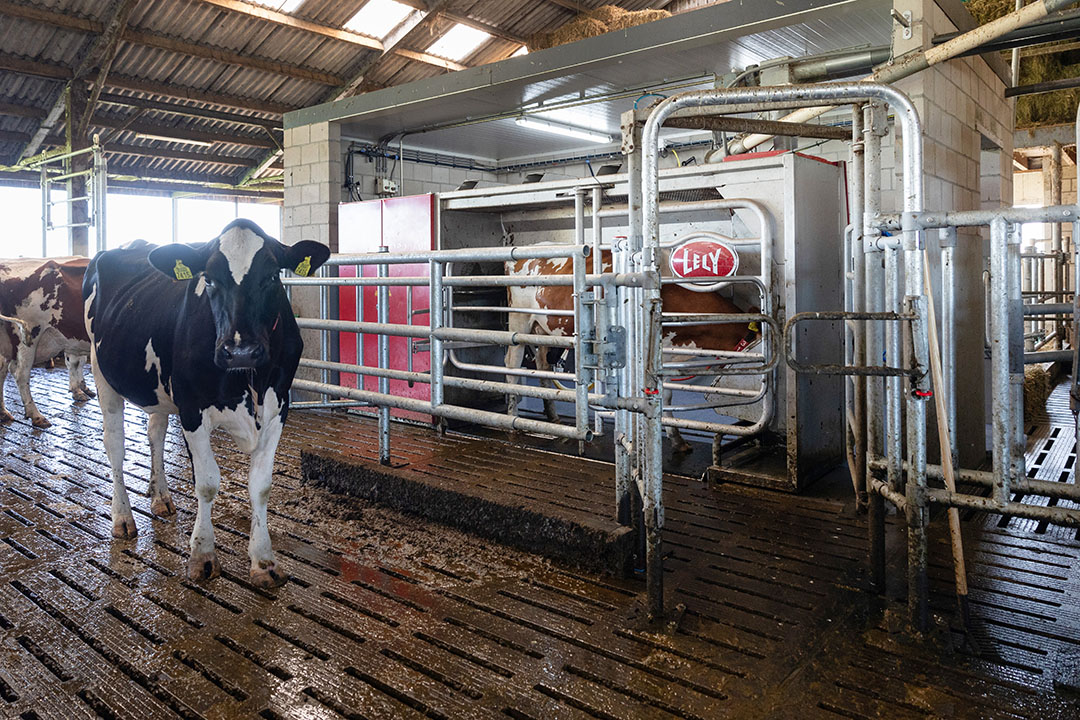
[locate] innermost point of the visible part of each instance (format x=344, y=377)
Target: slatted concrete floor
x=388, y=616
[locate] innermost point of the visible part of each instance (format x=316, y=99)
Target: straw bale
x=1036, y=390
x=596, y=22
x=639, y=17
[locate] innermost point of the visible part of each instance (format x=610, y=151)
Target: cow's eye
x=270, y=279
x=207, y=281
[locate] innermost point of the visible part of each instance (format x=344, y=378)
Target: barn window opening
x=459, y=42
x=379, y=18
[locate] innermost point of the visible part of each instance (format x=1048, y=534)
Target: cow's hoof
x=40, y=422
x=683, y=449
x=79, y=396
x=268, y=578
x=6, y=417
x=163, y=506
x=125, y=528
x=87, y=391
x=203, y=566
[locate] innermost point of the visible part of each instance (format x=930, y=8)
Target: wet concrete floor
x=390, y=616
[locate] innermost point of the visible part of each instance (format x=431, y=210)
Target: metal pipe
x=851, y=63
x=493, y=337
x=1001, y=440
x=1021, y=486
x=503, y=370
x=384, y=363
x=583, y=326
x=1058, y=266
x=976, y=218
x=535, y=391
x=854, y=302
x=1066, y=517
x=1046, y=356
x=916, y=61
x=452, y=412
x=491, y=254
x=436, y=325
x=948, y=333
x=873, y=301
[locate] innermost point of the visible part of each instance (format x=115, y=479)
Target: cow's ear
x=303, y=258
x=178, y=261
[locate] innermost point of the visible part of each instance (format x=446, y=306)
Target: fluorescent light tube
x=560, y=129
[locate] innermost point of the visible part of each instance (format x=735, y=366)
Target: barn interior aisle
x=390, y=616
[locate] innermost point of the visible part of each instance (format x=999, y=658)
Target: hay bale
x=596, y=22
x=579, y=28
x=1037, y=389
x=640, y=17
x=607, y=14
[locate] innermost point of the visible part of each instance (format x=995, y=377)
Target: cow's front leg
x=161, y=502
x=515, y=355
x=264, y=570
x=112, y=417
x=5, y=416
x=678, y=444
x=23, y=365
x=76, y=382
x=203, y=563
x=542, y=364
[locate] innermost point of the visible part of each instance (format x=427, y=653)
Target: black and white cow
x=205, y=332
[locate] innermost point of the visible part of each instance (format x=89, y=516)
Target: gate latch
x=612, y=351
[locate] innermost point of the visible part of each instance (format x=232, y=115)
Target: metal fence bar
x=384, y=362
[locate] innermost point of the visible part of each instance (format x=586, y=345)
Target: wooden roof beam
x=286, y=20
x=189, y=110
x=106, y=47
x=469, y=22
x=164, y=42
x=141, y=151
x=180, y=134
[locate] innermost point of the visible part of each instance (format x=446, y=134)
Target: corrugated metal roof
x=197, y=55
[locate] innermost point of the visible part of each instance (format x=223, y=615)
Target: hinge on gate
x=612, y=351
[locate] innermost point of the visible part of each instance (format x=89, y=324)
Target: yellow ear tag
x=182, y=271
x=304, y=268
x=754, y=327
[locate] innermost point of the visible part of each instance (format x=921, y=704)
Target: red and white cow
x=674, y=298
x=41, y=304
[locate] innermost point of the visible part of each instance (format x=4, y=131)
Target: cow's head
x=239, y=273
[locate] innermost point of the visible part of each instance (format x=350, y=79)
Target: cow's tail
x=21, y=327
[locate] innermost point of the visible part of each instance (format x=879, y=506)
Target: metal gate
x=618, y=312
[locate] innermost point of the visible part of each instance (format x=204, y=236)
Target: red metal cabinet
x=403, y=224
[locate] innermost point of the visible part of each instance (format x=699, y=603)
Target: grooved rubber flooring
x=387, y=616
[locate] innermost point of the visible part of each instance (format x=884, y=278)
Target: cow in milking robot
x=205, y=332
x=686, y=261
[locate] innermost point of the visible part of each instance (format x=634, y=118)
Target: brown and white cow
x=41, y=304
x=674, y=298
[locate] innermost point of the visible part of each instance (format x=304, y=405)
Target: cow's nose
x=233, y=356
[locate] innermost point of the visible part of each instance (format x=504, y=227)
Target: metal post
x=1057, y=262
x=46, y=212
x=948, y=332
x=435, y=322
x=324, y=338
x=384, y=363
x=1028, y=286
x=624, y=420
x=1016, y=351
x=597, y=268
x=894, y=439
x=873, y=301
x=1001, y=395
x=99, y=183
x=581, y=321
x=856, y=303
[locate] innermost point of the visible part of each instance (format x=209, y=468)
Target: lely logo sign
x=703, y=258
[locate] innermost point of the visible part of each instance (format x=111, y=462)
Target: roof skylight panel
x=459, y=42
x=285, y=6
x=378, y=18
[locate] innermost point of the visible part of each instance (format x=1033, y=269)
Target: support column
x=79, y=211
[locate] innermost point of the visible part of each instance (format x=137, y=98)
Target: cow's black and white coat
x=205, y=332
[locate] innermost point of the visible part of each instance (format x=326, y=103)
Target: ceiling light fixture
x=166, y=138
x=561, y=129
